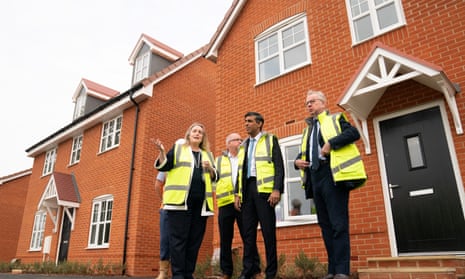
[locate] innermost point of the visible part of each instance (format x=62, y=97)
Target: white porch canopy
x=61, y=193
x=385, y=67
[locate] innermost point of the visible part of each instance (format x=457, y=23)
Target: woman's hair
x=204, y=144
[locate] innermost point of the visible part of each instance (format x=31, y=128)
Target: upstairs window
x=293, y=208
x=282, y=48
x=111, y=132
x=141, y=68
x=100, y=224
x=76, y=150
x=49, y=163
x=371, y=18
x=80, y=106
x=38, y=230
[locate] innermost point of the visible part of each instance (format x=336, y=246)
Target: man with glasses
x=227, y=166
x=324, y=181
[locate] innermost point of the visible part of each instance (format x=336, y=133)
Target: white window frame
x=141, y=67
x=111, y=133
x=80, y=106
x=38, y=230
x=76, y=150
x=278, y=30
x=100, y=225
x=284, y=206
x=49, y=163
x=371, y=12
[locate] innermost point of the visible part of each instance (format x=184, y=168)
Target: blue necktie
x=315, y=156
x=250, y=157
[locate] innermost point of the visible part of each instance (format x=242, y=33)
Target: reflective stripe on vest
x=264, y=164
x=179, y=178
x=346, y=162
x=224, y=186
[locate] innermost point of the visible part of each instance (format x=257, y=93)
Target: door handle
x=392, y=186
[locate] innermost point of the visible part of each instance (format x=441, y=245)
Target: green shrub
x=309, y=267
x=203, y=269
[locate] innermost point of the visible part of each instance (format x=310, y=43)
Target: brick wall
x=13, y=194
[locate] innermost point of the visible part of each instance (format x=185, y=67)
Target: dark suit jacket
x=348, y=135
x=277, y=160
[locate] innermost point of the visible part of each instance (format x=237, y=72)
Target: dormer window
x=80, y=107
x=151, y=56
x=141, y=68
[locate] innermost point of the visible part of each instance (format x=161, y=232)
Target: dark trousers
x=187, y=229
x=332, y=204
x=255, y=208
x=164, y=236
x=227, y=216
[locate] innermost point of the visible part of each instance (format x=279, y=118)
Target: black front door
x=65, y=235
x=426, y=208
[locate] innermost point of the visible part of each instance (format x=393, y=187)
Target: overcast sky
x=47, y=46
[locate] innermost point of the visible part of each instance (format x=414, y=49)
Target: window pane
x=279, y=211
x=363, y=28
x=387, y=16
x=107, y=233
x=291, y=154
x=296, y=192
x=93, y=234
x=268, y=47
x=269, y=68
x=295, y=56
x=95, y=215
x=358, y=7
x=293, y=35
x=109, y=210
x=415, y=152
x=100, y=234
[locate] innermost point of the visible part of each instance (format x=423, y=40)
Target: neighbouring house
x=394, y=67
x=91, y=194
x=13, y=191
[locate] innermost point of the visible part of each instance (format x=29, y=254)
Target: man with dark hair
x=260, y=184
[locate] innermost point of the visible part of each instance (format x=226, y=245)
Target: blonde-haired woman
x=187, y=196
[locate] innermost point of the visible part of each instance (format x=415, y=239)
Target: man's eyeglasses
x=311, y=102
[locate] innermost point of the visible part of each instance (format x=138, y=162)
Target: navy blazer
x=349, y=134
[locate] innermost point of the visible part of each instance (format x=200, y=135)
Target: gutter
x=131, y=170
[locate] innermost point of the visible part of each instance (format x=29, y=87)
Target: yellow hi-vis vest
x=178, y=179
x=263, y=164
x=225, y=186
x=346, y=163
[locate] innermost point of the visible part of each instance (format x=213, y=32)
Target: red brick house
x=395, y=67
x=13, y=190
